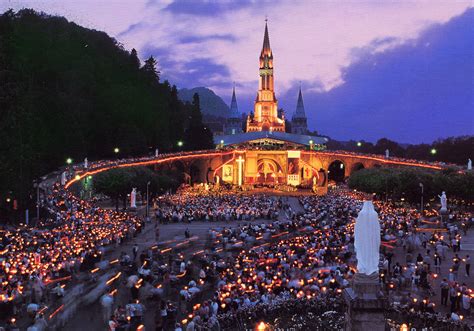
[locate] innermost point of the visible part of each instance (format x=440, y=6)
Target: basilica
x=269, y=152
x=266, y=116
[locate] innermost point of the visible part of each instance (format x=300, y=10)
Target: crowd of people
x=188, y=206
x=319, y=259
x=289, y=258
x=35, y=261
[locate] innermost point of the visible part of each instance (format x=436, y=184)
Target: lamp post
x=147, y=190
x=421, y=204
x=37, y=201
x=69, y=161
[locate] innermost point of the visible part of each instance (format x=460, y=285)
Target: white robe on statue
x=367, y=239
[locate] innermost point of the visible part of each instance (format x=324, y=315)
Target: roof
x=240, y=138
x=299, y=113
x=266, y=50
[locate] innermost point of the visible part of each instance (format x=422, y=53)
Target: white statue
x=444, y=201
x=315, y=181
x=367, y=239
x=156, y=152
x=86, y=163
x=387, y=153
x=133, y=198
x=469, y=164
x=218, y=180
x=63, y=178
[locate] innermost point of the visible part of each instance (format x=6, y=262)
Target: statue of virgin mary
x=367, y=239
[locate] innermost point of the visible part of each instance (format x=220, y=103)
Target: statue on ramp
x=444, y=202
x=133, y=198
x=367, y=240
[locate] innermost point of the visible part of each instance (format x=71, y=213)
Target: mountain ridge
x=211, y=103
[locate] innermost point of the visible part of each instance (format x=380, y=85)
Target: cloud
x=205, y=8
x=328, y=45
x=418, y=91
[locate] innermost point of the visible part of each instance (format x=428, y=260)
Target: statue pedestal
x=443, y=213
x=365, y=304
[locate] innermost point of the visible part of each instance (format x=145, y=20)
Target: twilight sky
x=369, y=69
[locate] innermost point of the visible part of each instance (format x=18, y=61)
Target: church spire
x=234, y=110
x=300, y=113
x=266, y=50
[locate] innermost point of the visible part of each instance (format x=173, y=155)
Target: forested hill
x=67, y=91
x=211, y=103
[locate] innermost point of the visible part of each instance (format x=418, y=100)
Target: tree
x=134, y=58
x=150, y=69
x=393, y=147
x=404, y=182
x=197, y=135
x=115, y=183
x=67, y=91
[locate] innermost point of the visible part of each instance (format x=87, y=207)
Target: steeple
x=265, y=116
x=266, y=50
x=300, y=113
x=234, y=110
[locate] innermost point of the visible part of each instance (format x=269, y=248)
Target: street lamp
x=421, y=204
x=37, y=184
x=180, y=143
x=68, y=160
x=433, y=151
x=147, y=190
x=359, y=144
x=116, y=150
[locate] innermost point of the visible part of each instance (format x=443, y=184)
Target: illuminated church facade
x=269, y=152
x=265, y=116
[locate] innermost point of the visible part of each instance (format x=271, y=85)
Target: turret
x=299, y=123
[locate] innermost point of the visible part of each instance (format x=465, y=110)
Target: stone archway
x=336, y=171
x=269, y=172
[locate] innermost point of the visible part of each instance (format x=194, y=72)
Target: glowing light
x=56, y=311
x=433, y=151
x=261, y=326
x=180, y=143
x=68, y=160
x=359, y=144
x=116, y=150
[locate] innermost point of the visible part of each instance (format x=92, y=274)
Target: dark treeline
x=405, y=183
x=452, y=150
x=118, y=183
x=71, y=92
